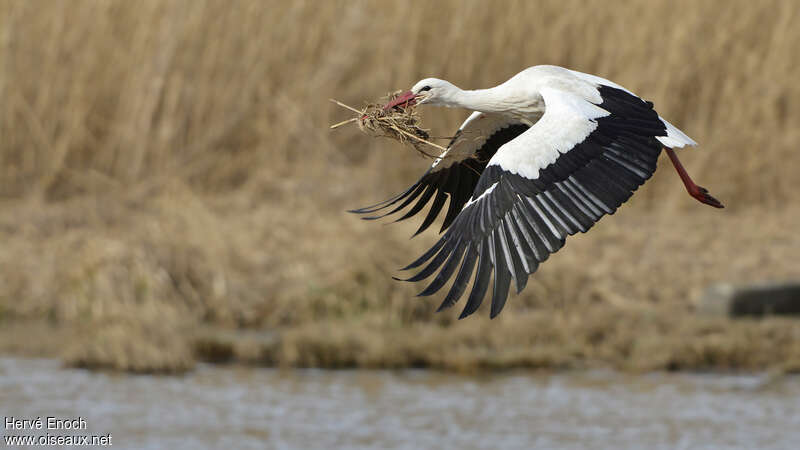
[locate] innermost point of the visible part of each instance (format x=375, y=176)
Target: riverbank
x=550, y=340
x=104, y=293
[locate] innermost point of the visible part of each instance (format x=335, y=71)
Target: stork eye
x=426, y=88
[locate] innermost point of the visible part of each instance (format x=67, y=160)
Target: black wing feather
x=462, y=279
x=456, y=182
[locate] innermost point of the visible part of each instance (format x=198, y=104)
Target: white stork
x=544, y=155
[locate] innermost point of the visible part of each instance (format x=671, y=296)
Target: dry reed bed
x=622, y=296
x=105, y=93
x=169, y=164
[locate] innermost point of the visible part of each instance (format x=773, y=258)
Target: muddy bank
x=551, y=340
x=644, y=341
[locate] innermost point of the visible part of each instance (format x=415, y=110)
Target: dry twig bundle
x=400, y=124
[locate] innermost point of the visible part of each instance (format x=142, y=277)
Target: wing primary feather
x=570, y=209
x=447, y=270
x=502, y=279
x=539, y=216
x=647, y=147
x=592, y=181
x=486, y=216
x=410, y=198
x=492, y=249
x=436, y=207
x=469, y=219
x=632, y=158
x=589, y=208
x=596, y=176
x=586, y=206
x=428, y=254
x=606, y=178
x=629, y=127
x=458, y=198
x=518, y=254
x=462, y=278
x=481, y=284
x=517, y=228
x=505, y=253
x=642, y=174
x=578, y=210
x=453, y=207
x=540, y=224
x=593, y=196
x=556, y=212
x=426, y=196
x=618, y=174
x=386, y=203
x=436, y=262
x=532, y=235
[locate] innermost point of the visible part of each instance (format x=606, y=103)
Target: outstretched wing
x=454, y=173
x=580, y=161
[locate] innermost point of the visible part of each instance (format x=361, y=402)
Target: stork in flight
x=544, y=155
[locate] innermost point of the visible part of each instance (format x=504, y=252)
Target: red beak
x=404, y=100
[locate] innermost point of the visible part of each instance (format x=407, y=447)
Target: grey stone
x=775, y=298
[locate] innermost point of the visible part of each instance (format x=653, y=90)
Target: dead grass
x=169, y=164
x=131, y=346
x=400, y=124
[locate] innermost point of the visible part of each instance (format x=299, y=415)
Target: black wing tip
x=360, y=211
x=464, y=314
x=366, y=209
x=497, y=308
x=413, y=265
x=444, y=306
x=473, y=303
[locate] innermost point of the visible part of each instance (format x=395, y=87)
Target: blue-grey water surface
x=238, y=407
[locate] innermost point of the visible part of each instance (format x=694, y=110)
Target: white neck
x=499, y=99
x=483, y=100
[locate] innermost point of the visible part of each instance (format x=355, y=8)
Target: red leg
x=698, y=192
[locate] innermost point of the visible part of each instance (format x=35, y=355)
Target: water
x=234, y=407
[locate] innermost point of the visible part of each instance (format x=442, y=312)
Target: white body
x=560, y=103
x=543, y=156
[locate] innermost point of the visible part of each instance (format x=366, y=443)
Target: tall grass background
x=169, y=163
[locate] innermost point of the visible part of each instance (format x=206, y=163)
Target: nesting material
x=400, y=124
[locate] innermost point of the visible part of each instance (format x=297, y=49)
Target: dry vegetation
x=401, y=124
x=170, y=188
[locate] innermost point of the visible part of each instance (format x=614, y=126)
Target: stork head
x=431, y=91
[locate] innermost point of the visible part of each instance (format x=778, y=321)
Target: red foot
x=698, y=192
x=702, y=196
